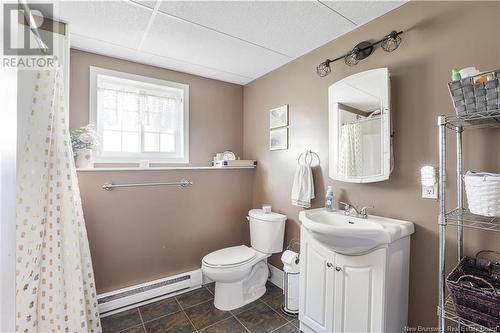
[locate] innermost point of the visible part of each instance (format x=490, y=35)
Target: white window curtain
x=55, y=289
x=132, y=120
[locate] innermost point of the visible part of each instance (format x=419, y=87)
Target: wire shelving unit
x=468, y=326
x=459, y=217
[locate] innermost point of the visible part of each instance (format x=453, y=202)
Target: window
x=138, y=118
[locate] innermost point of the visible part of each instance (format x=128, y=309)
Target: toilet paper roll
x=290, y=261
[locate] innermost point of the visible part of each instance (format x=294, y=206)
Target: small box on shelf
x=234, y=163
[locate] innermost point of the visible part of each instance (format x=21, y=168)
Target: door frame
x=8, y=155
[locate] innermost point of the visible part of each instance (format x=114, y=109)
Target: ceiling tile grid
x=116, y=22
x=104, y=48
x=291, y=28
x=361, y=12
x=178, y=39
x=234, y=41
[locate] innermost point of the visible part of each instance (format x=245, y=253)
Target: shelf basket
x=470, y=97
x=474, y=287
x=483, y=193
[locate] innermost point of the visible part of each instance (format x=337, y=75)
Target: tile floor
x=195, y=312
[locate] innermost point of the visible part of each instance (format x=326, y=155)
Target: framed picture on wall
x=278, y=139
x=278, y=117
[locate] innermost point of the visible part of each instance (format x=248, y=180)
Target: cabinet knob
x=329, y=264
x=338, y=269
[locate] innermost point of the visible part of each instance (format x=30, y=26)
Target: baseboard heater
x=130, y=297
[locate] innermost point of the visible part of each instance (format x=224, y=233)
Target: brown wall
x=141, y=234
x=440, y=36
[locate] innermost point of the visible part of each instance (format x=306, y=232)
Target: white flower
x=86, y=138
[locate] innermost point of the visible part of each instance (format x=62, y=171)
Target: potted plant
x=83, y=141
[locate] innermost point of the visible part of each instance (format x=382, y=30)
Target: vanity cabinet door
x=359, y=293
x=316, y=285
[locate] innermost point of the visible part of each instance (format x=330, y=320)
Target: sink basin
x=352, y=235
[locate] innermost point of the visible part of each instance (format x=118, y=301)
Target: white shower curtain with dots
x=55, y=290
x=351, y=150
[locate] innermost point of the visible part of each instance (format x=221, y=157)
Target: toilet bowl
x=240, y=272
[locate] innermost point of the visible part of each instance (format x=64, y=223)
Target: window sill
x=103, y=169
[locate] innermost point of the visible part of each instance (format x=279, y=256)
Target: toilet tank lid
x=268, y=217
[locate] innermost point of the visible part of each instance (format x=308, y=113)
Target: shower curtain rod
x=32, y=26
x=49, y=24
x=362, y=120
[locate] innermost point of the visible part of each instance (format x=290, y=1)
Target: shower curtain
x=55, y=289
x=350, y=152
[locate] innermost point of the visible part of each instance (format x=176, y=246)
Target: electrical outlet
x=430, y=192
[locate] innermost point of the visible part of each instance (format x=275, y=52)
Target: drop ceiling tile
x=234, y=41
x=116, y=22
x=362, y=12
x=147, y=3
x=292, y=28
x=99, y=47
x=174, y=38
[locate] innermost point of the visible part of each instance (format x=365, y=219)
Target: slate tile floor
x=195, y=312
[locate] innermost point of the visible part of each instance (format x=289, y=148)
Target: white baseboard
x=135, y=300
x=276, y=277
x=126, y=298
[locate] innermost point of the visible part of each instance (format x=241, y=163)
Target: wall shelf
x=460, y=217
x=160, y=168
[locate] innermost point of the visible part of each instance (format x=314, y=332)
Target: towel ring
x=308, y=154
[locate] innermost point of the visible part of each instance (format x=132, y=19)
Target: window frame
x=128, y=157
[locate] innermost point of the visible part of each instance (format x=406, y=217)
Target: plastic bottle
x=329, y=199
x=455, y=75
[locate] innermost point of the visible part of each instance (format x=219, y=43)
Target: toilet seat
x=229, y=257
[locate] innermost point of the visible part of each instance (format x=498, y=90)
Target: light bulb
x=351, y=58
x=324, y=68
x=391, y=42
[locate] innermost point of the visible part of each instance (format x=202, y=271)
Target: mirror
x=359, y=126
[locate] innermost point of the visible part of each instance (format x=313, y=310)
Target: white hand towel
x=303, y=186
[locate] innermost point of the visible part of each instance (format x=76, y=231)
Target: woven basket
x=483, y=193
x=470, y=97
x=478, y=302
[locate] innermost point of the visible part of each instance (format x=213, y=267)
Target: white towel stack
x=303, y=186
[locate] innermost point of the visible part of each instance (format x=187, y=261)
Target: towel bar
x=109, y=186
x=308, y=153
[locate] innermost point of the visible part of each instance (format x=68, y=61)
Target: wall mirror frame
x=360, y=127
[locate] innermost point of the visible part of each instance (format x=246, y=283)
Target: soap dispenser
x=329, y=199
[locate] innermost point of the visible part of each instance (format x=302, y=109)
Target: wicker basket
x=474, y=285
x=469, y=97
x=483, y=193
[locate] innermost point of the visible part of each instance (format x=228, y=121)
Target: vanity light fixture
x=363, y=50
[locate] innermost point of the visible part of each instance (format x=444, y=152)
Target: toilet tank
x=267, y=231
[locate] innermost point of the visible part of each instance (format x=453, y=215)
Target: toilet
x=240, y=272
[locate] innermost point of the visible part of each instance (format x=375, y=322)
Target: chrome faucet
x=350, y=210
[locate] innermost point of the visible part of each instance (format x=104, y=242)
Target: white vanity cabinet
x=317, y=278
x=359, y=292
x=365, y=293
